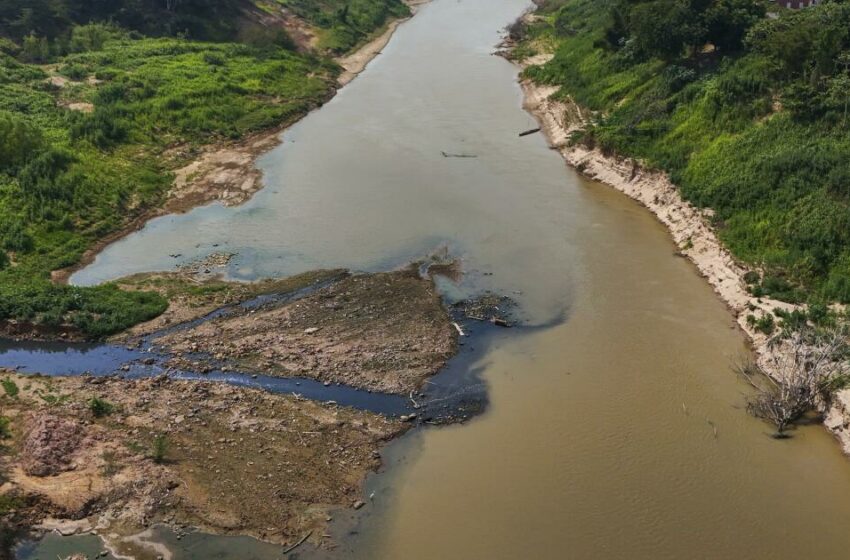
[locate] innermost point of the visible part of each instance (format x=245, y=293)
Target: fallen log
x=299, y=543
x=529, y=131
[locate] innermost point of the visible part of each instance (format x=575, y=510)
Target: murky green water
x=618, y=433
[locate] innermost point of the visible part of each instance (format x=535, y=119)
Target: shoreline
x=89, y=472
x=228, y=173
x=688, y=226
x=355, y=63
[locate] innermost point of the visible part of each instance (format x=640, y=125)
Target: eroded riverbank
x=690, y=228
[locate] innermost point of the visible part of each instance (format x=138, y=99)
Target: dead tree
x=803, y=368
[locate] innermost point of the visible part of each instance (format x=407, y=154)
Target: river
x=619, y=430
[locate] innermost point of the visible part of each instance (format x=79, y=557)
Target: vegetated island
x=728, y=119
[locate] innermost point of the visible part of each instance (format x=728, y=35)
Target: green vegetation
x=100, y=407
x=764, y=324
x=111, y=465
x=747, y=113
x=10, y=388
x=95, y=116
x=344, y=23
x=53, y=20
x=5, y=429
x=159, y=449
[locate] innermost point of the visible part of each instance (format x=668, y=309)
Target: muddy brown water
x=618, y=432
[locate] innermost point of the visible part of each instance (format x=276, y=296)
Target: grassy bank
x=746, y=112
x=93, y=119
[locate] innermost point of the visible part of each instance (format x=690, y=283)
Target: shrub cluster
x=747, y=113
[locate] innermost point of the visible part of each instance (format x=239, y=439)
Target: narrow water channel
x=618, y=432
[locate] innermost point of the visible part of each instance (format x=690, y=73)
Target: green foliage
x=5, y=427
x=19, y=141
x=100, y=407
x=54, y=400
x=752, y=124
x=764, y=324
x=159, y=449
x=111, y=466
x=10, y=387
x=201, y=19
x=668, y=28
x=69, y=178
x=346, y=22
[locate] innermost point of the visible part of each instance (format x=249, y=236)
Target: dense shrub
x=68, y=178
x=748, y=116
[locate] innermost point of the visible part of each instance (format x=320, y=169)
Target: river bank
x=227, y=172
x=689, y=226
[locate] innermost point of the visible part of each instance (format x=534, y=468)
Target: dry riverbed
x=206, y=454
x=233, y=460
x=384, y=332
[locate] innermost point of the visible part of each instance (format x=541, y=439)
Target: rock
x=49, y=445
x=359, y=504
x=311, y=330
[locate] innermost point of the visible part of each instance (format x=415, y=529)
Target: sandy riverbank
x=689, y=226
x=354, y=63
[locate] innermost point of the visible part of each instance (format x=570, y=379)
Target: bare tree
x=805, y=365
x=517, y=30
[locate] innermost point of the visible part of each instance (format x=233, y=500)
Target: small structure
x=797, y=4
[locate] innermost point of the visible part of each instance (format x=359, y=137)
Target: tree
x=839, y=87
x=664, y=28
x=728, y=21
x=35, y=49
x=804, y=364
x=19, y=141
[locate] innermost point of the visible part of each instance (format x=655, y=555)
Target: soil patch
x=384, y=332
x=210, y=455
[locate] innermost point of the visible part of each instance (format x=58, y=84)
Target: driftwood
x=445, y=154
x=529, y=131
x=805, y=365
x=299, y=543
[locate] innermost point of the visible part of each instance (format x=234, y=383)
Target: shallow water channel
x=616, y=432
